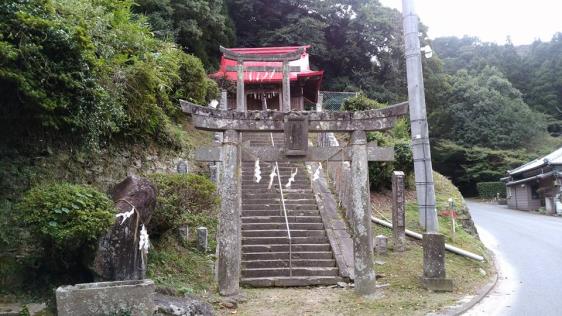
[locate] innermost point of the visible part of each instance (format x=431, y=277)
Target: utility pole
x=418, y=120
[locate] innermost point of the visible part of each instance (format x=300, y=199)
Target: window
x=534, y=191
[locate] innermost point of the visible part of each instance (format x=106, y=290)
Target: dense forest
x=96, y=72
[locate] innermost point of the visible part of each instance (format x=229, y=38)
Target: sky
x=490, y=20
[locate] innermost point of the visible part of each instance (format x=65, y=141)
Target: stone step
x=281, y=225
x=250, y=195
x=281, y=219
x=260, y=200
x=266, y=169
x=277, y=205
x=290, y=281
x=284, y=240
x=282, y=263
x=265, y=189
x=300, y=271
x=285, y=248
x=285, y=255
x=249, y=165
x=283, y=233
x=265, y=183
x=279, y=212
x=265, y=179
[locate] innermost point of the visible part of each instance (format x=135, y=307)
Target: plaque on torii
x=295, y=126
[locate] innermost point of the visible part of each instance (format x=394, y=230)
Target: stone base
x=106, y=298
x=437, y=284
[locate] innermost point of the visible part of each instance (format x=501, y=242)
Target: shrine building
x=263, y=76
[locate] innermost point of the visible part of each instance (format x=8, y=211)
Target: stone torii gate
x=296, y=126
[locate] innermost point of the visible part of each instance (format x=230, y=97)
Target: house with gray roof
x=536, y=184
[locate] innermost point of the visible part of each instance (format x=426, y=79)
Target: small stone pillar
x=229, y=247
x=182, y=167
x=240, y=92
x=183, y=234
x=224, y=100
x=365, y=281
x=322, y=137
x=398, y=211
x=202, y=241
x=381, y=245
x=286, y=107
x=434, y=275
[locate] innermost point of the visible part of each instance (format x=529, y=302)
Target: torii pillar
x=229, y=234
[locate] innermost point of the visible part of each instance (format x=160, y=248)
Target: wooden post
x=286, y=87
x=365, y=281
x=229, y=240
x=240, y=93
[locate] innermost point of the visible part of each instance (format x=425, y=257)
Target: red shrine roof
x=227, y=66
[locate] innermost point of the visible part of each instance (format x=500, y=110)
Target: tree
x=198, y=26
x=486, y=110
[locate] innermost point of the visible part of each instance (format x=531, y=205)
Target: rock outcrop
x=118, y=256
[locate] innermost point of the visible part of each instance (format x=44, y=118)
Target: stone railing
x=339, y=173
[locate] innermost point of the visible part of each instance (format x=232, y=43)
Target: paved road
x=528, y=249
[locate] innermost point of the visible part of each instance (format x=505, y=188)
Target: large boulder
x=118, y=256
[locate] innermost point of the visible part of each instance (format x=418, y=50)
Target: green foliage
x=533, y=69
x=185, y=270
x=65, y=217
x=198, y=26
x=359, y=44
x=467, y=166
x=380, y=173
x=184, y=199
x=361, y=103
x=91, y=70
x=491, y=189
x=486, y=110
x=47, y=71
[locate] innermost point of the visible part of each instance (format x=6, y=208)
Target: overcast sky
x=490, y=20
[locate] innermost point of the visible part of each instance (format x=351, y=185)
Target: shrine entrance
x=295, y=127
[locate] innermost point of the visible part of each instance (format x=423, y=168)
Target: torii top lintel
x=210, y=119
x=290, y=56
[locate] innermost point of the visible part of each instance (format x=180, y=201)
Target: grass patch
x=186, y=270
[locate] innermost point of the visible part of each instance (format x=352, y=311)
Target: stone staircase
x=265, y=243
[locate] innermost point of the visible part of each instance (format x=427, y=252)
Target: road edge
x=480, y=294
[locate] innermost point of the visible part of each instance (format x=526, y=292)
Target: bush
x=64, y=216
x=489, y=190
x=361, y=103
x=184, y=199
x=91, y=70
x=380, y=173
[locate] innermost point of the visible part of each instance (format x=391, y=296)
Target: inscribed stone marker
x=398, y=212
x=202, y=240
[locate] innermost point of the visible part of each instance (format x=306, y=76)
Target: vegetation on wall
x=184, y=199
x=91, y=70
x=190, y=200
